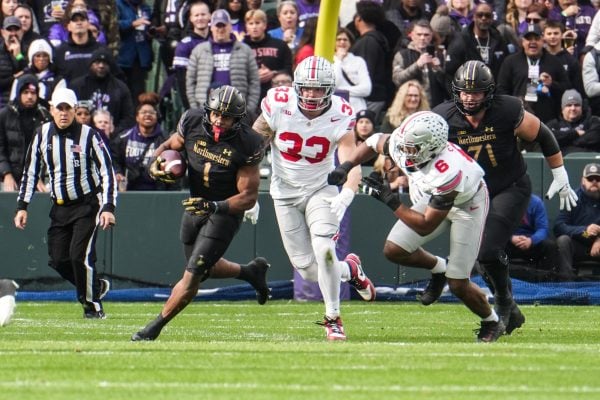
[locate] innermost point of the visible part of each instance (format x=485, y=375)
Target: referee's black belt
x=71, y=202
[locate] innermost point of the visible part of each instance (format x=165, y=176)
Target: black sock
x=498, y=275
x=245, y=273
x=157, y=324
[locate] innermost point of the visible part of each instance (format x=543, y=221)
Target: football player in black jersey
x=223, y=157
x=488, y=127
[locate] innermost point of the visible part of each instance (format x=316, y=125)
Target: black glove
x=340, y=174
x=199, y=206
x=382, y=192
x=157, y=174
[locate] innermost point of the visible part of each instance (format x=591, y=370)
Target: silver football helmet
x=314, y=72
x=421, y=137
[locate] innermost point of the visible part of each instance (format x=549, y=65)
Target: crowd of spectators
x=394, y=58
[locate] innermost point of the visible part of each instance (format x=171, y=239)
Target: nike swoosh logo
x=335, y=119
x=473, y=208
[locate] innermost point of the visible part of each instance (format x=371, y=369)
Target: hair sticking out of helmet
x=421, y=137
x=227, y=101
x=314, y=73
x=473, y=77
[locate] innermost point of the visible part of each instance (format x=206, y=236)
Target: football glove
x=199, y=206
x=382, y=192
x=340, y=174
x=252, y=214
x=157, y=174
x=560, y=185
x=340, y=203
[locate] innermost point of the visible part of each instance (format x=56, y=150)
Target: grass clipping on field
x=239, y=350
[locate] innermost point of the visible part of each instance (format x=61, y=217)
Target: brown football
x=173, y=163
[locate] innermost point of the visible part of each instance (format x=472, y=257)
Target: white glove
x=7, y=300
x=340, y=203
x=560, y=184
x=252, y=214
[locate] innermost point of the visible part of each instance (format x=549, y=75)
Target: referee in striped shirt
x=82, y=188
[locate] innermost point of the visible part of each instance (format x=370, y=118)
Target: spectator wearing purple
x=199, y=18
x=132, y=150
x=574, y=16
x=59, y=33
x=222, y=60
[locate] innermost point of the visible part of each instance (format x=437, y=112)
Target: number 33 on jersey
x=302, y=148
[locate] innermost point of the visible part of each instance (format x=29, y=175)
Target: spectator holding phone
x=419, y=62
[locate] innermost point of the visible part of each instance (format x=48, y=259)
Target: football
x=173, y=163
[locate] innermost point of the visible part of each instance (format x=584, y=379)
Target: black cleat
x=257, y=277
x=92, y=314
x=490, y=331
x=511, y=316
x=434, y=289
x=148, y=333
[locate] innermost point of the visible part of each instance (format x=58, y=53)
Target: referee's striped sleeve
x=31, y=171
x=101, y=155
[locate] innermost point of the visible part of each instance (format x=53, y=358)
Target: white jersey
x=452, y=170
x=302, y=149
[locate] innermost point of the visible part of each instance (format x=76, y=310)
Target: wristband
x=19, y=57
x=222, y=207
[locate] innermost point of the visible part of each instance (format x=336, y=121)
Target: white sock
x=345, y=269
x=492, y=317
x=440, y=266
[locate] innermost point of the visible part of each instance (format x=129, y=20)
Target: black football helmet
x=471, y=77
x=227, y=101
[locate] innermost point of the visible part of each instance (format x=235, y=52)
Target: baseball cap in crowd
x=569, y=97
x=220, y=16
x=591, y=169
x=63, y=96
x=441, y=24
x=79, y=11
x=368, y=114
x=11, y=22
x=532, y=29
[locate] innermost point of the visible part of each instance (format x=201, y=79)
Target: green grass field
x=239, y=350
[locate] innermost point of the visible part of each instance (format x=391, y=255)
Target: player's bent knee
x=309, y=273
x=395, y=253
x=458, y=287
x=199, y=268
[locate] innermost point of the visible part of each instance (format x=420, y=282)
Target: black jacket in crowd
x=513, y=80
x=464, y=48
x=17, y=126
x=568, y=138
x=73, y=60
x=109, y=93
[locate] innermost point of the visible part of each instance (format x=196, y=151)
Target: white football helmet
x=419, y=138
x=314, y=72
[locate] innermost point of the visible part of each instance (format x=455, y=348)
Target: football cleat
x=511, y=315
x=257, y=270
x=490, y=331
x=104, y=288
x=434, y=289
x=92, y=314
x=333, y=328
x=145, y=334
x=359, y=280
x=8, y=289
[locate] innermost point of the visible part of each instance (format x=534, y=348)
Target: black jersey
x=213, y=165
x=493, y=143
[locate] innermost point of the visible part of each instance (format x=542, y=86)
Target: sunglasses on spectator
x=593, y=178
x=532, y=20
x=484, y=15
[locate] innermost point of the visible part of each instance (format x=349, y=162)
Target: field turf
x=239, y=350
